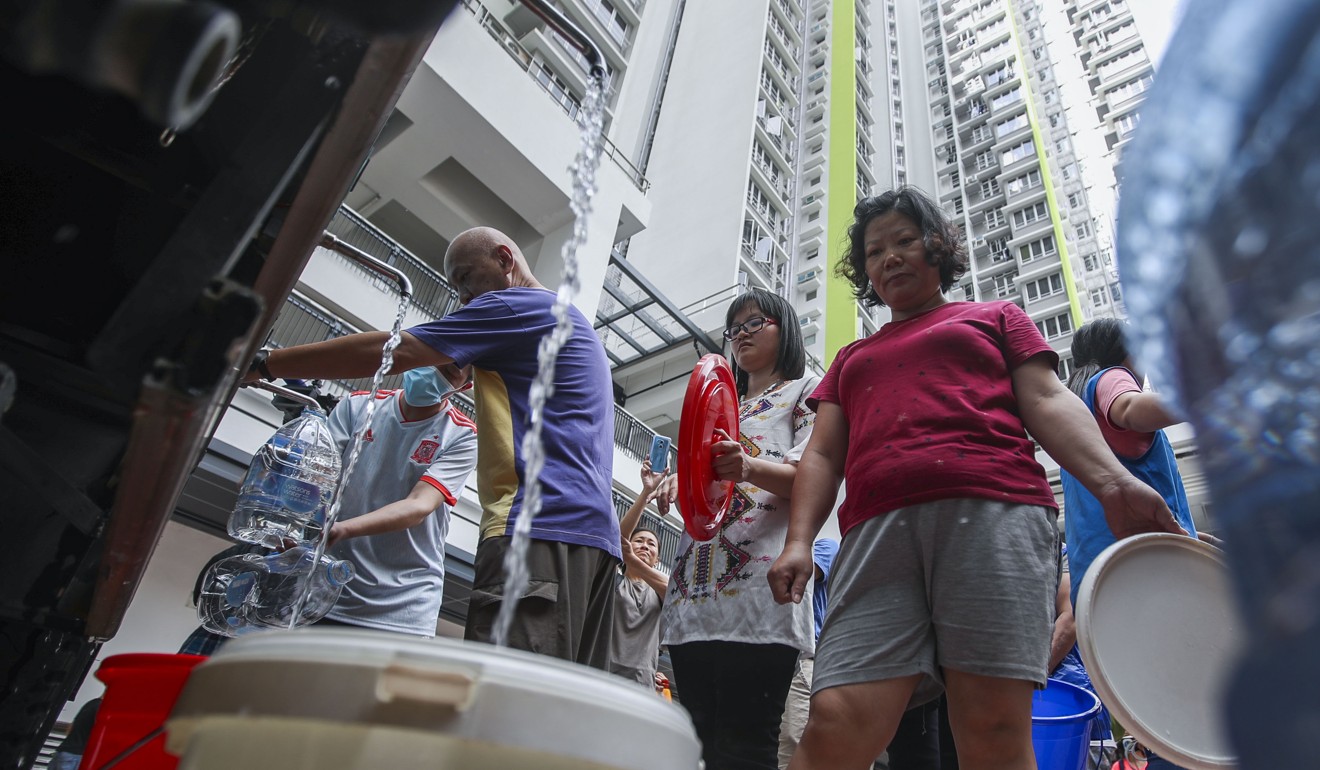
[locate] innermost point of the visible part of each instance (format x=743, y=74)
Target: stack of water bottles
x=282, y=509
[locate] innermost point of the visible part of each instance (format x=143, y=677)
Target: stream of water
x=354, y=449
x=591, y=119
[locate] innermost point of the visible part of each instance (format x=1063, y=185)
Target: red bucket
x=140, y=690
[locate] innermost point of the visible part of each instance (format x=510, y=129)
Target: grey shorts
x=968, y=585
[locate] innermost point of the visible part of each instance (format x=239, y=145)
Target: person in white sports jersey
x=394, y=518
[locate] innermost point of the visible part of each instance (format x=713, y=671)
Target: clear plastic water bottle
x=252, y=592
x=289, y=485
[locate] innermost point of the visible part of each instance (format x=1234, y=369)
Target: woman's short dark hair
x=1097, y=345
x=791, y=361
x=943, y=239
x=645, y=528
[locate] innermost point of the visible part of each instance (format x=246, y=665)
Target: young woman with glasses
x=734, y=650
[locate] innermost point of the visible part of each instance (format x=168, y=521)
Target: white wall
x=470, y=102
x=161, y=615
x=700, y=160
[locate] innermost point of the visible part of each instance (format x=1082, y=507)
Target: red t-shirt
x=931, y=411
x=1126, y=443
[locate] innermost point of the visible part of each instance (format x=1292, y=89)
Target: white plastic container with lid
x=1158, y=632
x=349, y=699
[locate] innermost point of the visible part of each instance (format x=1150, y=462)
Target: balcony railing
x=432, y=294
x=300, y=322
x=524, y=59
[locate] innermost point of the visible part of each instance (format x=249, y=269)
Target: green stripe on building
x=841, y=196
x=1060, y=243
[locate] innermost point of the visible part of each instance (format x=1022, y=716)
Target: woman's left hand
x=730, y=461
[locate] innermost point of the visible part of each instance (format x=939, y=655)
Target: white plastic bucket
x=336, y=699
x=1158, y=632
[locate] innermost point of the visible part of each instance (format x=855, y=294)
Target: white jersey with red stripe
x=400, y=575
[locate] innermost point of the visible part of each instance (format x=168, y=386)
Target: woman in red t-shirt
x=948, y=566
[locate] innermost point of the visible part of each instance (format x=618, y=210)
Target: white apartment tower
x=1001, y=154
x=1117, y=64
x=763, y=144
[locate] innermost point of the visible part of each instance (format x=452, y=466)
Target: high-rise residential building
x=1004, y=161
x=763, y=144
x=994, y=107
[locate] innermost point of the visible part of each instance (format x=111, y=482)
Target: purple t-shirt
x=499, y=333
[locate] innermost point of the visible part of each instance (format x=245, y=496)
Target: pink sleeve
x=1112, y=384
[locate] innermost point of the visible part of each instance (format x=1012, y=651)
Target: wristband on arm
x=258, y=365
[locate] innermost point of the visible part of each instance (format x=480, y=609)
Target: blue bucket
x=1061, y=717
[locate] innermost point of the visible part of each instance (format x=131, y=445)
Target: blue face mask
x=424, y=387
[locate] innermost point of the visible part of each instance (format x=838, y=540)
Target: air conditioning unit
x=978, y=242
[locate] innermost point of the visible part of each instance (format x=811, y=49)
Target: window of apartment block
x=1004, y=285
x=1043, y=287
x=555, y=86
x=1018, y=152
x=1090, y=263
x=1055, y=117
x=612, y=19
x=1065, y=367
x=980, y=134
x=985, y=160
x=1055, y=327
x=1035, y=212
x=1131, y=88
x=811, y=294
x=1037, y=249
x=1122, y=62
x=1116, y=292
x=1010, y=96
x=1075, y=200
x=990, y=188
x=1126, y=124
x=812, y=254
x=1083, y=230
x=1006, y=127
x=997, y=76
x=1025, y=182
x=994, y=217
x=760, y=202
x=810, y=339
x=1097, y=297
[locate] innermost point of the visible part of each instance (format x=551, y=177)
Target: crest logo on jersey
x=424, y=454
x=367, y=436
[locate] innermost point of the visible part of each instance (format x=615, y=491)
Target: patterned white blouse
x=718, y=589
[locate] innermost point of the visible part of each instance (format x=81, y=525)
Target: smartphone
x=659, y=454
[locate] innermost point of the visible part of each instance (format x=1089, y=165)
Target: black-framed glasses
x=751, y=326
